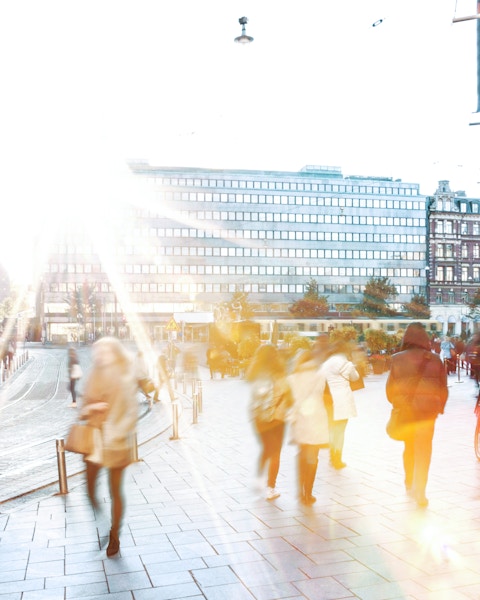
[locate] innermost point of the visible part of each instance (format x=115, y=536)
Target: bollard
x=195, y=409
x=62, y=469
x=458, y=371
x=194, y=386
x=184, y=383
x=200, y=397
x=174, y=435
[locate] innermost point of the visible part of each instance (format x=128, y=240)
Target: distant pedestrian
x=417, y=376
x=309, y=420
x=338, y=371
x=144, y=381
x=163, y=377
x=110, y=405
x=74, y=374
x=447, y=353
x=270, y=402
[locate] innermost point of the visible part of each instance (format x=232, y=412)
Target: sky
x=87, y=86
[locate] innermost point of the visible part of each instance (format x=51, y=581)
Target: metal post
x=62, y=469
x=174, y=435
x=195, y=409
x=458, y=370
x=200, y=395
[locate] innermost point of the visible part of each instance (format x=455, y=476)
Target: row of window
x=447, y=251
x=306, y=236
x=300, y=186
x=447, y=273
x=453, y=227
x=466, y=206
x=278, y=271
x=192, y=289
x=193, y=217
x=449, y=297
x=162, y=268
x=340, y=202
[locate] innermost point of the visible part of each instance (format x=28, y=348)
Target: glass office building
x=191, y=237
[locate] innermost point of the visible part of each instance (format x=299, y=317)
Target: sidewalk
x=194, y=527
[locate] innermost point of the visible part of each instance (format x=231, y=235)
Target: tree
x=376, y=340
x=474, y=305
x=348, y=333
x=376, y=294
x=83, y=305
x=312, y=305
x=417, y=307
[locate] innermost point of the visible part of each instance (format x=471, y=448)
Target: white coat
x=338, y=371
x=309, y=415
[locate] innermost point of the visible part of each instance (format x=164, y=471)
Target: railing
x=177, y=409
x=9, y=366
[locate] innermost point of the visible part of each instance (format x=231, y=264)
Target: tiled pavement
x=195, y=528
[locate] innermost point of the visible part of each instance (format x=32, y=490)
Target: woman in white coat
x=338, y=372
x=309, y=420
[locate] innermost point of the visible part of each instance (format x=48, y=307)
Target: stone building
x=453, y=258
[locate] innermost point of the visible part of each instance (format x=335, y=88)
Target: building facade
x=193, y=237
x=453, y=258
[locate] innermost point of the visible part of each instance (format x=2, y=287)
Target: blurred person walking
x=270, y=402
x=447, y=353
x=162, y=377
x=338, y=372
x=309, y=420
x=417, y=386
x=74, y=374
x=110, y=405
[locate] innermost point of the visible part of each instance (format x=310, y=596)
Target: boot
x=301, y=477
x=310, y=472
x=336, y=460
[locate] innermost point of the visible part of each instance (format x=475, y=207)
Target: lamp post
x=427, y=284
x=244, y=38
x=476, y=115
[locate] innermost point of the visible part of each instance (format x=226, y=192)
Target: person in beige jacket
x=110, y=405
x=338, y=372
x=309, y=420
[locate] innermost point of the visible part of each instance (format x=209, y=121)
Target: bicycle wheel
x=476, y=440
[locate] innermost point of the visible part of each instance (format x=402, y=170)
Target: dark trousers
x=307, y=468
x=417, y=456
x=272, y=440
x=72, y=389
x=115, y=481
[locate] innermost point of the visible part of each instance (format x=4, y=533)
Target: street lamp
x=244, y=38
x=427, y=284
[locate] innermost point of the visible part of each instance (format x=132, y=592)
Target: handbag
x=146, y=385
x=358, y=384
x=77, y=372
x=397, y=424
x=80, y=439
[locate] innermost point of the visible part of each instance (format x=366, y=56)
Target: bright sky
x=88, y=85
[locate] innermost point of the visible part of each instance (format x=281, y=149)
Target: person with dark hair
x=417, y=385
x=111, y=407
x=338, y=371
x=270, y=402
x=309, y=420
